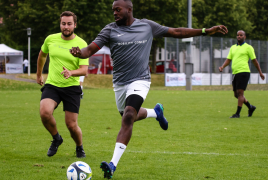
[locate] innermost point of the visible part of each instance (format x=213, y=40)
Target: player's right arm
x=85, y=52
x=40, y=65
x=228, y=59
x=226, y=63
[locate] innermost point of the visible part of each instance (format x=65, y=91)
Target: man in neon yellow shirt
x=240, y=54
x=62, y=83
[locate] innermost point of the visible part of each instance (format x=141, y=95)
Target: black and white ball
x=79, y=171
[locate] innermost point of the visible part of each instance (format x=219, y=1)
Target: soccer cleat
x=54, y=147
x=108, y=169
x=159, y=110
x=251, y=110
x=235, y=116
x=80, y=153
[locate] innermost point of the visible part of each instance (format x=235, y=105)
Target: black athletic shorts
x=240, y=80
x=70, y=96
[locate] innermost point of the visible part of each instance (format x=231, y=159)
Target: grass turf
x=201, y=142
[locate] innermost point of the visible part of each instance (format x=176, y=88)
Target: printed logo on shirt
x=120, y=35
x=131, y=42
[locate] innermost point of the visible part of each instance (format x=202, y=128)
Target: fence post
x=200, y=50
x=259, y=57
x=221, y=58
x=165, y=59
x=266, y=62
x=211, y=60
x=178, y=55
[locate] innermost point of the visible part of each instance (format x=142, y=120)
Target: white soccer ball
x=79, y=171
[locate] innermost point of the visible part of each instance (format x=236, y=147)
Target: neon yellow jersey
x=240, y=56
x=60, y=57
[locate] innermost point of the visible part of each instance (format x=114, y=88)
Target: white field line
x=193, y=153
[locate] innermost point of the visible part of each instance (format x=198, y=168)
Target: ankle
x=79, y=147
x=57, y=136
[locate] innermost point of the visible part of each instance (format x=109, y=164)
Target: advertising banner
x=197, y=79
x=175, y=79
x=14, y=68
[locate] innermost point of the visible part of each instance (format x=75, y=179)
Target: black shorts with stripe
x=70, y=96
x=240, y=81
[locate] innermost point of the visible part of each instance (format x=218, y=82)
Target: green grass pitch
x=201, y=142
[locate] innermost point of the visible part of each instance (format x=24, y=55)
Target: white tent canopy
x=104, y=50
x=11, y=58
x=6, y=51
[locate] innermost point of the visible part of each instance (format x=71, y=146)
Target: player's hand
x=217, y=29
x=66, y=73
x=220, y=69
x=75, y=51
x=39, y=80
x=262, y=76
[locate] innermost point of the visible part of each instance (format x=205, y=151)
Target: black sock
x=56, y=136
x=79, y=147
x=247, y=104
x=238, y=110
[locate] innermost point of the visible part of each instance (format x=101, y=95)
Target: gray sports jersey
x=130, y=48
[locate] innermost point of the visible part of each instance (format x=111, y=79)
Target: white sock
x=151, y=113
x=118, y=152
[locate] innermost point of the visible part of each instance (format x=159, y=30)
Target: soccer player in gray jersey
x=130, y=41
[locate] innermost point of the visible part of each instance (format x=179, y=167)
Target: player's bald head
x=241, y=31
x=127, y=2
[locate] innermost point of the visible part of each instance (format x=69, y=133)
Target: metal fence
x=209, y=53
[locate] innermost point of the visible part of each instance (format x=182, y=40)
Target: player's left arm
x=81, y=71
x=188, y=32
x=257, y=65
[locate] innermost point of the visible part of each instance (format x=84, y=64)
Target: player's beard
x=240, y=41
x=67, y=35
x=122, y=22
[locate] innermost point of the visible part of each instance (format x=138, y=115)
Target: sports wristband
x=204, y=32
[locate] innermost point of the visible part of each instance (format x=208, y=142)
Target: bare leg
x=240, y=97
x=236, y=95
x=72, y=125
x=47, y=107
x=129, y=116
x=142, y=114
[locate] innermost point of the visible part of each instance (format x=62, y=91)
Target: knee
x=240, y=94
x=71, y=126
x=45, y=115
x=129, y=117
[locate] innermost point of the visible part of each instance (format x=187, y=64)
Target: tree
x=43, y=18
x=10, y=29
x=258, y=10
x=231, y=13
x=171, y=13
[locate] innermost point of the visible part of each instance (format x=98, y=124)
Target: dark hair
x=123, y=0
x=129, y=3
x=69, y=13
